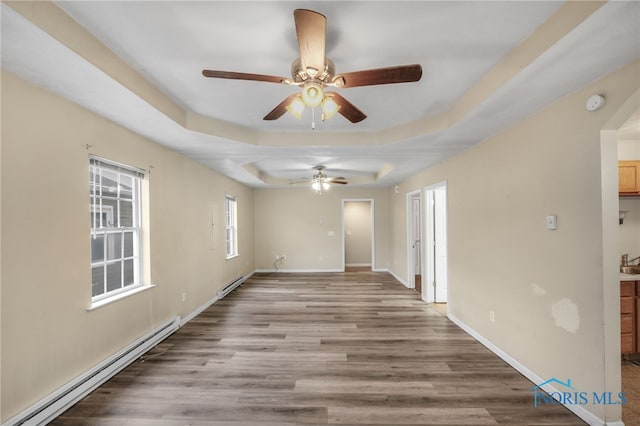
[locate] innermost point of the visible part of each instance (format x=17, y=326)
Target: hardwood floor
x=336, y=348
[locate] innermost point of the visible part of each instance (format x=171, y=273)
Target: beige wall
x=544, y=286
x=296, y=222
x=357, y=233
x=48, y=336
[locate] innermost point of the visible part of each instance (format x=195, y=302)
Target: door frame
x=411, y=279
x=372, y=224
x=428, y=293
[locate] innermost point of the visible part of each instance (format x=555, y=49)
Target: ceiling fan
x=320, y=182
x=314, y=72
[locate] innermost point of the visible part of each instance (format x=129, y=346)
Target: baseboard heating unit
x=60, y=400
x=230, y=287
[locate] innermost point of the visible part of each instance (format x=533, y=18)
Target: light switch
x=552, y=222
x=331, y=233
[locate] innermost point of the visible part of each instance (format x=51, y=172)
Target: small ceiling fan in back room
x=320, y=182
x=313, y=72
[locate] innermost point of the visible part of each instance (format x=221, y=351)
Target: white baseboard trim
x=238, y=282
x=403, y=282
x=52, y=405
x=357, y=264
x=303, y=271
x=578, y=410
x=198, y=311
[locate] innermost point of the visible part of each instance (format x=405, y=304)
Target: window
x=230, y=208
x=114, y=200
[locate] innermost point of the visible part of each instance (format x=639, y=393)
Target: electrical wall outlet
x=492, y=316
x=184, y=296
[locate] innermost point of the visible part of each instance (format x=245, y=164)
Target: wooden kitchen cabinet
x=629, y=178
x=629, y=317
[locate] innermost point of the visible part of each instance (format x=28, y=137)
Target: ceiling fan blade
x=243, y=76
x=299, y=181
x=347, y=109
x=339, y=180
x=390, y=75
x=311, y=29
x=279, y=110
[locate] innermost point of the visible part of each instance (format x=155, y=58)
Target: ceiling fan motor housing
x=301, y=75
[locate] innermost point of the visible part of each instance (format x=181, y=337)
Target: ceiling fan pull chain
x=313, y=118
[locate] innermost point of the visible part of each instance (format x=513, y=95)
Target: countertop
x=628, y=277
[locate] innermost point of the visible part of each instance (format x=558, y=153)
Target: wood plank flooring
x=348, y=348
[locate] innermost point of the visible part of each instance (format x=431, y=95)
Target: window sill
x=232, y=257
x=108, y=300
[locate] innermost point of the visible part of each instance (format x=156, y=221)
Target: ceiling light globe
x=329, y=107
x=296, y=107
x=312, y=95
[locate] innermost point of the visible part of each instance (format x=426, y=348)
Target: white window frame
x=97, y=167
x=231, y=226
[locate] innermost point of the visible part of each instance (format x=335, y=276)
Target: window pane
x=94, y=181
x=114, y=246
x=97, y=281
x=126, y=213
x=126, y=187
x=97, y=248
x=91, y=216
x=114, y=276
x=109, y=183
x=128, y=272
x=109, y=212
x=229, y=211
x=128, y=244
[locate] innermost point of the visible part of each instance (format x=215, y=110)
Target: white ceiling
x=457, y=43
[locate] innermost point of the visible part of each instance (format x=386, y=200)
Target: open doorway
x=414, y=241
x=628, y=150
x=615, y=379
x=357, y=234
x=436, y=277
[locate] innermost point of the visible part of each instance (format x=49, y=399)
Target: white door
x=416, y=236
x=435, y=288
x=440, y=244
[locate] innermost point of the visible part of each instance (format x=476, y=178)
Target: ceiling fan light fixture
x=312, y=95
x=319, y=185
x=296, y=107
x=329, y=107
